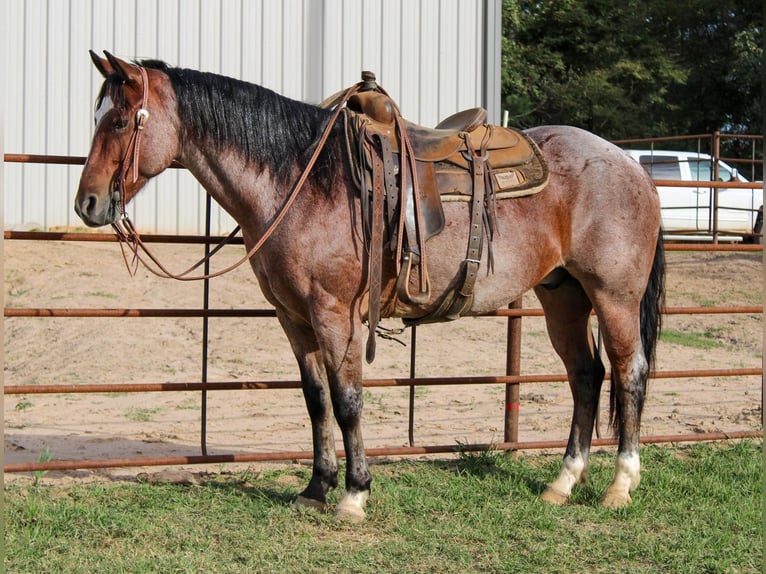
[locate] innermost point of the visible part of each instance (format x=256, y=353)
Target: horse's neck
x=248, y=194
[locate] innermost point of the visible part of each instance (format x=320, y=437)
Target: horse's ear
x=124, y=70
x=101, y=64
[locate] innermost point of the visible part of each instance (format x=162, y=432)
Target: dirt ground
x=130, y=350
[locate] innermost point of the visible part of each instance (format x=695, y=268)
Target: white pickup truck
x=689, y=209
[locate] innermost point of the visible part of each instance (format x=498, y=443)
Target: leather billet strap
x=375, y=254
x=472, y=261
x=459, y=299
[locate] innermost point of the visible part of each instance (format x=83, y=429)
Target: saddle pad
x=511, y=176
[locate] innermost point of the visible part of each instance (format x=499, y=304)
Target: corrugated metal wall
x=430, y=56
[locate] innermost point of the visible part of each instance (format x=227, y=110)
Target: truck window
x=724, y=174
x=661, y=166
x=701, y=169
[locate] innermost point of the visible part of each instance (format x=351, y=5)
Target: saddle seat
x=444, y=142
x=465, y=121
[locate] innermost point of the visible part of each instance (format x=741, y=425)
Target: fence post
x=411, y=419
x=512, y=368
x=714, y=190
x=205, y=326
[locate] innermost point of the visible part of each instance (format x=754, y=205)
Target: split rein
x=130, y=239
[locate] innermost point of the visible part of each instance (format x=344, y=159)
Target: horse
x=590, y=241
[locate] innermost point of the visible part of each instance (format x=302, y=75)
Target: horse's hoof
x=350, y=513
x=309, y=503
x=615, y=500
x=552, y=496
x=351, y=507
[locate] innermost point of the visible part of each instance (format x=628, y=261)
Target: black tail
x=651, y=323
x=652, y=303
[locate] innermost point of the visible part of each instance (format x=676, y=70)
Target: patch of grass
x=750, y=297
x=479, y=462
x=190, y=404
x=141, y=414
x=45, y=456
x=371, y=398
x=101, y=294
x=23, y=405
x=537, y=334
x=698, y=509
x=706, y=340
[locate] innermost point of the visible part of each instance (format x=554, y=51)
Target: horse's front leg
x=316, y=393
x=340, y=338
x=347, y=402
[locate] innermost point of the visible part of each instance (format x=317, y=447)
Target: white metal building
x=434, y=57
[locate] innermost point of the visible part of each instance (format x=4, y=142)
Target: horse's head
x=136, y=138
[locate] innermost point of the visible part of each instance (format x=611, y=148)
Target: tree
x=634, y=68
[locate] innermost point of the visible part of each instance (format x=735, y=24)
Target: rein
x=129, y=236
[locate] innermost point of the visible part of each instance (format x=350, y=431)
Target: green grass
x=706, y=340
x=141, y=414
x=698, y=509
x=101, y=294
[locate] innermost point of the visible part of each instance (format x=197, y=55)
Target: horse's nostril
x=87, y=208
x=91, y=202
x=86, y=205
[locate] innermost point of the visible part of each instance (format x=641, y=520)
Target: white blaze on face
x=104, y=106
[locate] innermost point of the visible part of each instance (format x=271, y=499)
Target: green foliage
x=638, y=68
x=698, y=509
x=44, y=456
x=141, y=414
x=706, y=340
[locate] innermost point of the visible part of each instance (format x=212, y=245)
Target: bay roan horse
x=589, y=241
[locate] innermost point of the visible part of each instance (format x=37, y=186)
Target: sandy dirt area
x=129, y=350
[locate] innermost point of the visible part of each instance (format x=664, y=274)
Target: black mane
x=268, y=129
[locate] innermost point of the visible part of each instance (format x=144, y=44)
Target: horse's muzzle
x=95, y=210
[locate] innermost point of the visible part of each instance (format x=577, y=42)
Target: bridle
x=134, y=144
x=129, y=237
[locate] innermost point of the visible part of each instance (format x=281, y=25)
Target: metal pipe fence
x=512, y=379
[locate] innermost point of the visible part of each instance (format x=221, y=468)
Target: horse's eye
x=119, y=124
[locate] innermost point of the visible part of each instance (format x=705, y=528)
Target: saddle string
x=129, y=236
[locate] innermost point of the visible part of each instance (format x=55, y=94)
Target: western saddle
x=405, y=171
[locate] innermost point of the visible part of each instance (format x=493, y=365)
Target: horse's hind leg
x=567, y=309
x=316, y=393
x=622, y=342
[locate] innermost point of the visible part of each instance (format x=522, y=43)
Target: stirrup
x=403, y=282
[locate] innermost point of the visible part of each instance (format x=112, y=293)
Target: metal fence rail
x=513, y=378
